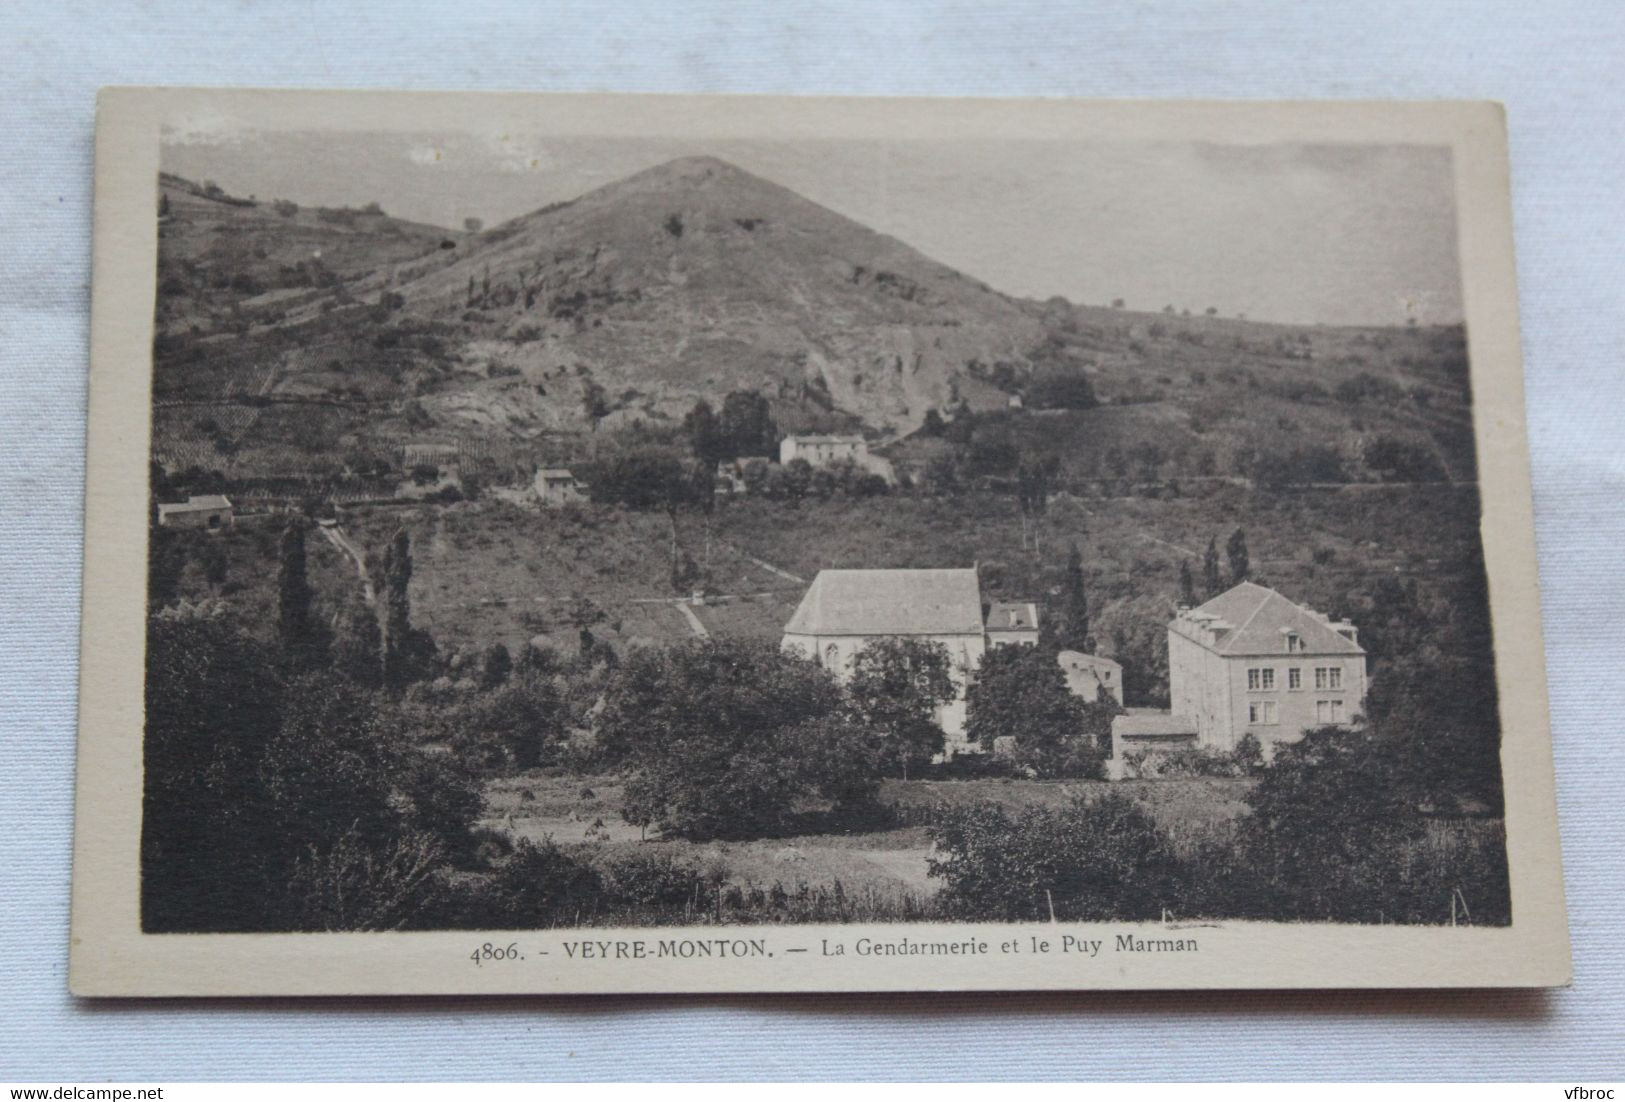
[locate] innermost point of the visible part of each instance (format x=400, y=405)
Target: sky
x=1290, y=232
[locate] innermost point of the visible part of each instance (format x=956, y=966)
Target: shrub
x=1091, y=861
x=1246, y=760
x=643, y=879
x=541, y=885
x=355, y=886
x=725, y=737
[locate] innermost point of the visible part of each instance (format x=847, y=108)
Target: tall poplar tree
x=1074, y=627
x=395, y=625
x=293, y=595
x=1211, y=581
x=1236, y=550
x=1187, y=585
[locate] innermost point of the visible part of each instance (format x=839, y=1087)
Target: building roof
x=1077, y=659
x=196, y=504
x=1258, y=619
x=890, y=602
x=554, y=472
x=1012, y=616
x=1154, y=725
x=827, y=439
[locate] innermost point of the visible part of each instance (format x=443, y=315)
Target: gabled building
x=208, y=511
x=557, y=486
x=845, y=610
x=1091, y=677
x=1012, y=623
x=1250, y=661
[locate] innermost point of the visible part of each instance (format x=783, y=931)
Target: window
x=1294, y=643
x=832, y=657
x=1262, y=712
x=1261, y=679
x=1294, y=678
x=1328, y=677
x=1328, y=711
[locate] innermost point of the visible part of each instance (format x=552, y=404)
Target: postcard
x=605, y=543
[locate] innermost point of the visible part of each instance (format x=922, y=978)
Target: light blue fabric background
x=1559, y=67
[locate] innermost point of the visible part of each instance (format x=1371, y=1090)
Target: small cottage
x=211, y=512
x=556, y=486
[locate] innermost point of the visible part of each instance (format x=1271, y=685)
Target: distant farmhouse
x=1250, y=661
x=556, y=486
x=821, y=451
x=824, y=451
x=844, y=610
x=209, y=511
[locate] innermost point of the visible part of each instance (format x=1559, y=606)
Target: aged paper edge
x=111, y=957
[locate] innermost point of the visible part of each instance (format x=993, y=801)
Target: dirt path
x=767, y=566
x=336, y=537
x=693, y=620
x=1175, y=546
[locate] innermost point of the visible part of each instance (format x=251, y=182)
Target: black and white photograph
x=893, y=533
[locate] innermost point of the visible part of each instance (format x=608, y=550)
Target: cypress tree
x=1210, y=569
x=1187, y=585
x=1236, y=550
x=293, y=595
x=1075, y=604
x=396, y=625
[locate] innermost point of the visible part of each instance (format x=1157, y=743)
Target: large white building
x=825, y=450
x=844, y=610
x=1252, y=662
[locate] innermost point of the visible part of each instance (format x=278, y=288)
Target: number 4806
x=495, y=952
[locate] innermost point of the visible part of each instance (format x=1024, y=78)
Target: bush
x=1060, y=390
x=1334, y=837
x=1397, y=460
x=540, y=886
x=1195, y=761
x=355, y=886
x=1096, y=860
x=645, y=879
x=726, y=737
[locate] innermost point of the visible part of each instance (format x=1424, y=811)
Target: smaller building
x=1091, y=677
x=208, y=511
x=556, y=486
x=1012, y=624
x=1145, y=730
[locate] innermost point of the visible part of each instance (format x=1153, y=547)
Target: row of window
x=1265, y=712
x=1262, y=678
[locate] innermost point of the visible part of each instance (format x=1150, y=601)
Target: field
x=505, y=570
x=887, y=867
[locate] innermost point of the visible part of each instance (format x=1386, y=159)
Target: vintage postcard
x=548, y=543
